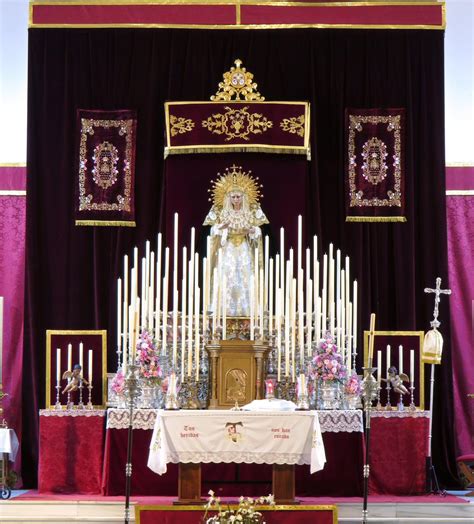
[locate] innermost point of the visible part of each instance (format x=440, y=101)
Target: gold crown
x=234, y=179
x=237, y=82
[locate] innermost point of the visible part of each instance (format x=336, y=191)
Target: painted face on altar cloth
x=236, y=200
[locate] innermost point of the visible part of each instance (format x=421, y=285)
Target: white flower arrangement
x=245, y=513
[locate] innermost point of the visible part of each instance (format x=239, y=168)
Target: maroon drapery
x=71, y=271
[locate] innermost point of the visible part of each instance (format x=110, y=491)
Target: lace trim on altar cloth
x=337, y=421
x=238, y=457
x=142, y=418
x=400, y=414
x=72, y=413
x=330, y=421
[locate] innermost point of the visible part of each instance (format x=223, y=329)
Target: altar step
x=98, y=512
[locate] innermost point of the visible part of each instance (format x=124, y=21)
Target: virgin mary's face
x=236, y=200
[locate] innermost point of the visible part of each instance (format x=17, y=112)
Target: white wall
x=459, y=65
x=13, y=80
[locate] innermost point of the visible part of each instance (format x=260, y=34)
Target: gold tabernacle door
x=237, y=368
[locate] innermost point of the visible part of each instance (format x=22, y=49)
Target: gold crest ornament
x=234, y=179
x=238, y=83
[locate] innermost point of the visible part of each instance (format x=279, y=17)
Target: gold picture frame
x=409, y=340
x=95, y=339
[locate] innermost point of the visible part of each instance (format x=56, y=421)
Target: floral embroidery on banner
x=237, y=123
x=180, y=125
x=294, y=125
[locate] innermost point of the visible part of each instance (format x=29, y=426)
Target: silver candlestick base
x=303, y=403
x=400, y=405
x=171, y=402
x=89, y=401
x=58, y=403
x=388, y=406
x=412, y=398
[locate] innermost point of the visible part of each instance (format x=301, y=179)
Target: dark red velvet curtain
x=71, y=271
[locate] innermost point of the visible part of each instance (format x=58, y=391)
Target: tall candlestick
x=197, y=298
x=260, y=303
x=214, y=301
x=324, y=293
x=119, y=313
x=151, y=293
x=349, y=341
x=300, y=241
x=400, y=359
x=143, y=294
x=58, y=365
x=354, y=317
x=347, y=298
x=69, y=357
x=125, y=307
x=331, y=306
x=338, y=275
x=379, y=366
x=388, y=358
x=81, y=356
x=89, y=375
x=270, y=301
x=318, y=315
x=158, y=289
x=278, y=326
x=282, y=258
x=287, y=324
x=183, y=322
x=293, y=328
x=145, y=298
x=371, y=338
x=175, y=327
x=309, y=317
x=412, y=366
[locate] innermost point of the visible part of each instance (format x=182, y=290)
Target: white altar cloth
x=9, y=443
x=236, y=436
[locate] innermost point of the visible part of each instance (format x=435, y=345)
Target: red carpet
x=373, y=499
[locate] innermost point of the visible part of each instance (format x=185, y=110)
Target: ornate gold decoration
x=235, y=385
x=237, y=82
x=234, y=179
x=394, y=198
x=294, y=125
x=105, y=172
x=180, y=125
x=237, y=123
x=85, y=200
x=374, y=153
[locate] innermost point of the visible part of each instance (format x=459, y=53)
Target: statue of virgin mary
x=236, y=219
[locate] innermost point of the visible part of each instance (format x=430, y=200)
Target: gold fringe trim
x=376, y=219
x=123, y=223
x=238, y=149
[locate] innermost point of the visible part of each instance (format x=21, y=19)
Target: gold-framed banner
x=393, y=348
x=375, y=165
x=106, y=168
x=237, y=126
x=63, y=352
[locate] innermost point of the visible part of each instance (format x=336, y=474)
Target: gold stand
x=237, y=368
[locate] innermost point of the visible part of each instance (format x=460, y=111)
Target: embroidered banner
x=375, y=174
x=215, y=127
x=106, y=169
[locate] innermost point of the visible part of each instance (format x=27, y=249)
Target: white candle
x=349, y=341
x=151, y=294
x=145, y=297
x=338, y=276
x=158, y=289
x=260, y=304
x=196, y=329
x=125, y=307
x=252, y=307
x=331, y=305
x=282, y=258
x=270, y=302
x=205, y=271
x=136, y=328
x=324, y=294
x=347, y=297
x=69, y=357
x=309, y=317
x=81, y=357
x=175, y=327
x=224, y=308
x=412, y=366
x=400, y=359
x=388, y=358
x=119, y=313
x=293, y=329
x=287, y=324
x=379, y=366
x=89, y=375
x=317, y=313
x=143, y=294
x=58, y=365
x=214, y=300
x=371, y=339
x=300, y=241
x=175, y=252
x=354, y=321
x=165, y=300
x=278, y=324
x=183, y=322
x=266, y=269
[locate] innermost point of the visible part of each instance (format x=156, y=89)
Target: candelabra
x=132, y=391
x=369, y=393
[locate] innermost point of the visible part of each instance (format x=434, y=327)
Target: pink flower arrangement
x=327, y=362
x=118, y=382
x=353, y=385
x=147, y=358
